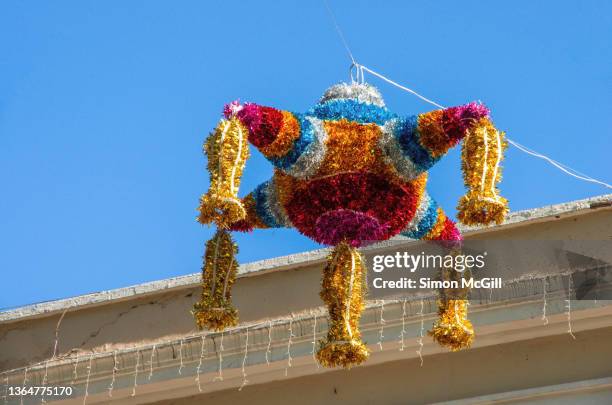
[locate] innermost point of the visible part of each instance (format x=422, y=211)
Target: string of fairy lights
x=287, y=323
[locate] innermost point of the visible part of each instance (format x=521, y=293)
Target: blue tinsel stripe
x=407, y=136
x=351, y=110
x=307, y=137
x=425, y=225
x=262, y=206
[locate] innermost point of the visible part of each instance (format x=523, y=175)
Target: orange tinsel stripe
x=288, y=133
x=437, y=229
x=431, y=133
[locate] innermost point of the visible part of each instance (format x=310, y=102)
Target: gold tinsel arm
x=215, y=310
x=342, y=290
x=481, y=157
x=227, y=151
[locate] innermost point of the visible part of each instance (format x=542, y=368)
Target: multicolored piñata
x=347, y=173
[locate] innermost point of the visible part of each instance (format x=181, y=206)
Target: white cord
x=560, y=166
x=360, y=78
x=399, y=86
x=566, y=169
x=339, y=31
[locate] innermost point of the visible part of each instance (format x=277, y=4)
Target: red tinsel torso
x=355, y=196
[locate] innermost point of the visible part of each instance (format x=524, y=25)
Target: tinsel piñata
x=347, y=173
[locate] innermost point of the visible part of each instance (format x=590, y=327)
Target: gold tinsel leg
x=215, y=310
x=453, y=329
x=342, y=291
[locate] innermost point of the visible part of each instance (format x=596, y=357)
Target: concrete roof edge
x=293, y=261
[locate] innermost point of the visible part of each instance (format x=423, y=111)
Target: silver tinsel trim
x=365, y=93
x=276, y=208
x=420, y=212
x=310, y=161
x=392, y=152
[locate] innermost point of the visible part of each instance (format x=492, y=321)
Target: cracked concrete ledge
x=281, y=263
x=496, y=322
x=488, y=309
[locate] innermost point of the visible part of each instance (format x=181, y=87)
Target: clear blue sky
x=104, y=107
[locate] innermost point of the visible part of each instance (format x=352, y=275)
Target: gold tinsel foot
x=452, y=329
x=474, y=210
x=216, y=319
x=342, y=354
x=221, y=210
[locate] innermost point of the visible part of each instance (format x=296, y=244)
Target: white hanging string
x=75, y=371
x=87, y=381
x=244, y=360
x=339, y=31
x=403, y=332
x=111, y=386
x=57, y=329
x=399, y=86
x=136, y=373
x=544, y=300
x=568, y=302
x=314, y=340
x=25, y=380
x=151, y=362
x=361, y=68
x=180, y=369
x=268, y=351
x=199, y=368
x=289, y=358
x=382, y=321
x=44, y=380
x=219, y=376
x=421, y=332
x=55, y=345
x=6, y=387
x=564, y=168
